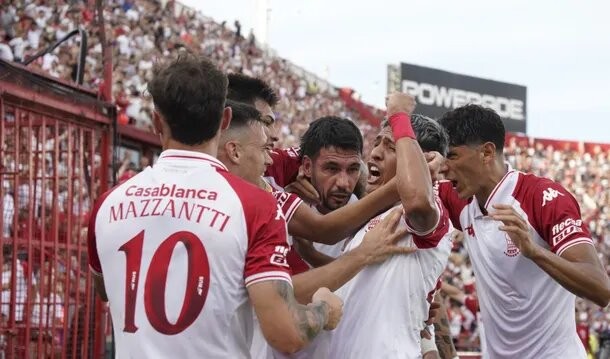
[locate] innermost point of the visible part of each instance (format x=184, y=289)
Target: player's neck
x=491, y=178
x=322, y=209
x=208, y=147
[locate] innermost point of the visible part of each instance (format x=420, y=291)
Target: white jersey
x=289, y=203
x=333, y=250
x=386, y=305
x=177, y=246
x=527, y=314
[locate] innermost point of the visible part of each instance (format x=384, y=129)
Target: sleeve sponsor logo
x=279, y=256
x=564, y=229
x=550, y=194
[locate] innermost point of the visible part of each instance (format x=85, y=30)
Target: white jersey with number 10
x=177, y=246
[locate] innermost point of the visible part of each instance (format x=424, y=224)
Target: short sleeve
x=94, y=260
x=434, y=236
x=267, y=244
x=557, y=217
x=288, y=202
x=452, y=203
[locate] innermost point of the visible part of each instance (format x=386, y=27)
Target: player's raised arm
x=286, y=325
x=342, y=222
x=412, y=172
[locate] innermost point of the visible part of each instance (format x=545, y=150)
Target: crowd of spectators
x=144, y=30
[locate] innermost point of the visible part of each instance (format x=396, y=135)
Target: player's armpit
x=98, y=282
x=286, y=325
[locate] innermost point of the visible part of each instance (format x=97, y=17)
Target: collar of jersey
x=191, y=156
x=488, y=204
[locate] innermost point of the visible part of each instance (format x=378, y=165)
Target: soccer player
x=242, y=149
x=530, y=250
x=389, y=303
x=258, y=93
x=184, y=250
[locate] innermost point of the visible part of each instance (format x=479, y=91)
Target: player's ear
x=227, y=114
x=233, y=151
x=488, y=152
x=307, y=166
x=157, y=123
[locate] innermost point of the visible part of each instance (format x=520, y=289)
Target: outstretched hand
x=380, y=242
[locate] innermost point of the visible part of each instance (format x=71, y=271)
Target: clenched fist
x=335, y=306
x=400, y=102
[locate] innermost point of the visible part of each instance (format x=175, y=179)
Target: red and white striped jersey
x=177, y=246
x=527, y=314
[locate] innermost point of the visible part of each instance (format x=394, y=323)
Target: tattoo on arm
x=310, y=319
x=444, y=343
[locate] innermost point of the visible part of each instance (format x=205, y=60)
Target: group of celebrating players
x=228, y=264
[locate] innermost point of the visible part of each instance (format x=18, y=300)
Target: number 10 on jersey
x=197, y=282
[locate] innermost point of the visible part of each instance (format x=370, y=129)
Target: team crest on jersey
x=511, y=248
x=373, y=222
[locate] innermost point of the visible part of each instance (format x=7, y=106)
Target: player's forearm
x=332, y=276
x=442, y=335
x=309, y=319
x=341, y=223
x=453, y=292
x=415, y=185
x=586, y=280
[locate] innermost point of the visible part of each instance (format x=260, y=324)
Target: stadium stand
x=143, y=30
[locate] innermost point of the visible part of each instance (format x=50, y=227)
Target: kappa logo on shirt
x=294, y=152
x=550, y=194
x=279, y=256
x=279, y=214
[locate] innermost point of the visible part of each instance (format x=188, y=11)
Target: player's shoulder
x=283, y=196
x=290, y=152
x=532, y=187
x=248, y=194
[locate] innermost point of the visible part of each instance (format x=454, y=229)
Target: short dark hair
x=474, y=125
x=331, y=131
x=243, y=114
x=189, y=92
x=431, y=136
x=247, y=89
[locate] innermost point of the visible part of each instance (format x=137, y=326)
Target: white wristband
x=428, y=345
